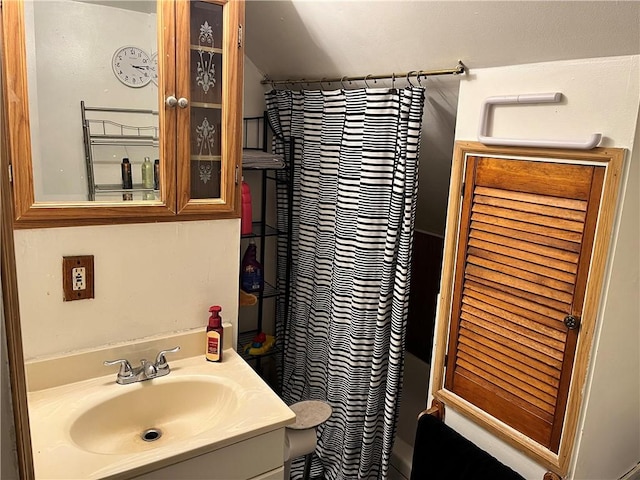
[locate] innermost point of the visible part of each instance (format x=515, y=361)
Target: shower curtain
x=354, y=168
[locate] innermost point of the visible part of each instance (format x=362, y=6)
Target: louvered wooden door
x=525, y=242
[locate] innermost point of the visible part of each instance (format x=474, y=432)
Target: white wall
x=254, y=104
x=602, y=95
x=149, y=279
x=436, y=149
x=70, y=46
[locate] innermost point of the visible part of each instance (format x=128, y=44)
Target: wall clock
x=132, y=66
x=154, y=68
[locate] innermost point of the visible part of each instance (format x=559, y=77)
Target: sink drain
x=151, y=435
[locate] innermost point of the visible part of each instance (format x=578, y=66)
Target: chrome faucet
x=146, y=371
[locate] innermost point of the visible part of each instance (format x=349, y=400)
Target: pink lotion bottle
x=214, y=335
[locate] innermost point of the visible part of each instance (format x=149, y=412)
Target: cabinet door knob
x=183, y=102
x=571, y=322
x=171, y=101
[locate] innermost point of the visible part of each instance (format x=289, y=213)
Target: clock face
x=132, y=66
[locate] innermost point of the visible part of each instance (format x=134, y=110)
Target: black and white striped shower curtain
x=355, y=183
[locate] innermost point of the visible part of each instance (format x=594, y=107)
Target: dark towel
x=441, y=453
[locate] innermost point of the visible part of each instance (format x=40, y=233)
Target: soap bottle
x=127, y=183
x=147, y=179
x=246, y=214
x=251, y=270
x=214, y=335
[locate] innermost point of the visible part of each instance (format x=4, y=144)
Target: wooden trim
x=612, y=159
x=182, y=86
x=167, y=121
x=11, y=304
x=436, y=409
x=29, y=214
x=591, y=307
x=463, y=225
x=448, y=267
x=232, y=82
x=235, y=114
x=14, y=67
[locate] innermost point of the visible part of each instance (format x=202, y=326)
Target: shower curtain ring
x=408, y=79
x=418, y=78
x=393, y=80
x=342, y=82
x=365, y=81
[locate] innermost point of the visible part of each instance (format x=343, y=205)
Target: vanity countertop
x=253, y=409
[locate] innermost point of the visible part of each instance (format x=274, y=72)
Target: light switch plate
x=77, y=277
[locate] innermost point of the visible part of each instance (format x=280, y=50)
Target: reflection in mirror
x=91, y=102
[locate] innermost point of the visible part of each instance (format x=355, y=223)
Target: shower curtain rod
x=458, y=70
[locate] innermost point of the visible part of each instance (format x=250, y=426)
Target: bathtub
x=412, y=402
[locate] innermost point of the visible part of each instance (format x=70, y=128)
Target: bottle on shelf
x=246, y=212
x=127, y=183
x=251, y=270
x=147, y=179
x=156, y=174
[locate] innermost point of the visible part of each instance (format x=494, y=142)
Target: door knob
x=183, y=102
x=171, y=101
x=571, y=322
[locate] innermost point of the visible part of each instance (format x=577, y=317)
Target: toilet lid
x=310, y=414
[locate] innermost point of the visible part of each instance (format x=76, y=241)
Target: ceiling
x=322, y=38
x=313, y=39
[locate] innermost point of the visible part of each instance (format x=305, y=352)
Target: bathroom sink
x=149, y=414
x=92, y=427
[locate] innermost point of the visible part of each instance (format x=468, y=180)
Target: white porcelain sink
x=91, y=429
x=149, y=414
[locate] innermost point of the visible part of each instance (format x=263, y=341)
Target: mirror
x=92, y=102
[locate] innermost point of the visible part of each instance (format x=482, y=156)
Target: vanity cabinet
x=199, y=103
x=258, y=458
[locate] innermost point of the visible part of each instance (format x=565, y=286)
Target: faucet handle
x=161, y=361
x=125, y=367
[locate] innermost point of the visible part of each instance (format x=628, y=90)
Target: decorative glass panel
x=206, y=99
x=206, y=85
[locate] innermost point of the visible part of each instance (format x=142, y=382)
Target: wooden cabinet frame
x=175, y=203
x=612, y=160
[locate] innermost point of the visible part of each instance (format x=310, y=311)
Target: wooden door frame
x=612, y=159
x=11, y=309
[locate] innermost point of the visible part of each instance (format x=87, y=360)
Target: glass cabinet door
x=209, y=80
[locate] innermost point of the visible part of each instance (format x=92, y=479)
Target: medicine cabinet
x=195, y=62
